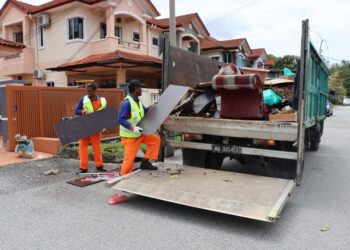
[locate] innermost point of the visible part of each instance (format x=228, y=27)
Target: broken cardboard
x=158, y=112
x=72, y=130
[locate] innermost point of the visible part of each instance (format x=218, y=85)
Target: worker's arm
x=79, y=108
x=124, y=115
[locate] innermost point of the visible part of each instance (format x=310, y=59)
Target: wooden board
x=283, y=117
x=249, y=196
x=69, y=131
x=158, y=112
x=188, y=69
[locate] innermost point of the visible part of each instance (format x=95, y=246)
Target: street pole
x=172, y=22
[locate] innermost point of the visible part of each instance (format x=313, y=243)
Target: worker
x=87, y=105
x=131, y=113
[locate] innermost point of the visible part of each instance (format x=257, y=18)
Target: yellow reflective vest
x=89, y=108
x=137, y=113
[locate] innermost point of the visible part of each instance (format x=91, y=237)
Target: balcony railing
x=130, y=45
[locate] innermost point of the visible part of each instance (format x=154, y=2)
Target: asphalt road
x=43, y=212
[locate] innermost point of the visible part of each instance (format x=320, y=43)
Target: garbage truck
x=280, y=146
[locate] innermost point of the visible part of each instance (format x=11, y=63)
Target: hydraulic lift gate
x=250, y=196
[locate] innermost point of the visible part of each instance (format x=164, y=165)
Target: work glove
x=137, y=130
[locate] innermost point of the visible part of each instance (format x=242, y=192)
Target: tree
x=340, y=74
x=336, y=83
x=287, y=61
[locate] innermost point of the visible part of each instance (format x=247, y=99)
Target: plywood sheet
x=249, y=196
x=188, y=69
x=77, y=128
x=157, y=114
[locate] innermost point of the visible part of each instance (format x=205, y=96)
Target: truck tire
x=315, y=137
x=214, y=161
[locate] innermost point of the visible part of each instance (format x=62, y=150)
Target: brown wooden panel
x=188, y=69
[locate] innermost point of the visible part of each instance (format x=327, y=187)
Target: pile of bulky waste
x=232, y=95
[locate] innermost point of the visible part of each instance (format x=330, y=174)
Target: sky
x=271, y=24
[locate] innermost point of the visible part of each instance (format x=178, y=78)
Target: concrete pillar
x=26, y=31
x=110, y=21
x=143, y=37
x=3, y=32
x=120, y=76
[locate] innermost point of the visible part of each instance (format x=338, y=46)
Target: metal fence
x=33, y=111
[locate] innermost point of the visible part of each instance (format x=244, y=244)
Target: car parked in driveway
x=346, y=102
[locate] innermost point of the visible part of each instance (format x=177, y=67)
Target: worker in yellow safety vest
x=130, y=114
x=87, y=105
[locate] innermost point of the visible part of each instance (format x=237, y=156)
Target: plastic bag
x=271, y=98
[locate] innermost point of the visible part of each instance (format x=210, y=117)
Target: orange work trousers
x=131, y=147
x=96, y=147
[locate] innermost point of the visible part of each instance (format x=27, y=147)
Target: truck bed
x=257, y=129
x=255, y=197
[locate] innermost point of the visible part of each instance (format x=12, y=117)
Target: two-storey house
x=190, y=31
x=108, y=41
x=227, y=51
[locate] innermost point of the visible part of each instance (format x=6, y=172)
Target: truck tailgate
x=249, y=196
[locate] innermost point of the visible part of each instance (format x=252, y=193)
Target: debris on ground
x=52, y=172
x=325, y=228
x=116, y=199
x=227, y=180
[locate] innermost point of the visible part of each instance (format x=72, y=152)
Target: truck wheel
x=214, y=161
x=315, y=137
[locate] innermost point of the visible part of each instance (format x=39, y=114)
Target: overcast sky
x=272, y=24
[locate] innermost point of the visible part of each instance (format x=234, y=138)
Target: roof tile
x=113, y=57
x=11, y=44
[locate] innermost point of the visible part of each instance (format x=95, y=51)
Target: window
x=18, y=37
x=103, y=30
x=40, y=37
x=118, y=32
x=193, y=47
x=136, y=36
x=75, y=28
x=240, y=61
x=228, y=57
x=215, y=58
x=155, y=41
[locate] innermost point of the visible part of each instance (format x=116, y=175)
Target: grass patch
x=111, y=151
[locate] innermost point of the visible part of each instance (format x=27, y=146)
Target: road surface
x=43, y=212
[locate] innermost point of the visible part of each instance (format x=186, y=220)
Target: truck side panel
x=316, y=88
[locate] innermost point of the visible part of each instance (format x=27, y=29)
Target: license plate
x=227, y=149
